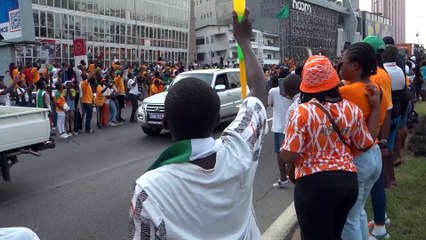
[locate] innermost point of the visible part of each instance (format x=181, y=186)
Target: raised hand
x=242, y=30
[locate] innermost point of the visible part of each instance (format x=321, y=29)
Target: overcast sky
x=414, y=11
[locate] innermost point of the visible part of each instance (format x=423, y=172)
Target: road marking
x=269, y=119
x=284, y=226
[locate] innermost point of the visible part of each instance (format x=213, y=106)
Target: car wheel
x=151, y=131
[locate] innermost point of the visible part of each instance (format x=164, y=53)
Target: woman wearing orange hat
x=318, y=139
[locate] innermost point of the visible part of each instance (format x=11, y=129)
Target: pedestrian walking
x=119, y=84
x=61, y=109
x=279, y=105
x=134, y=93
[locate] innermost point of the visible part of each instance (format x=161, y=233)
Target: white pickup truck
x=23, y=130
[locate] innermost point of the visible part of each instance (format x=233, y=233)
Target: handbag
x=336, y=128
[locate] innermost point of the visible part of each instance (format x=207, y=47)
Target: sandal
x=371, y=223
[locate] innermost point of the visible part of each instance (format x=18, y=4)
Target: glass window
x=43, y=19
x=199, y=41
x=58, y=25
x=64, y=4
x=233, y=80
x=70, y=5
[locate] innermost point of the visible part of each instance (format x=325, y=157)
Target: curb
x=283, y=227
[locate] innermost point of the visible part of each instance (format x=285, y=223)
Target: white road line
x=284, y=226
x=269, y=119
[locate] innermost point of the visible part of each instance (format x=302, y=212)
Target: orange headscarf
x=318, y=75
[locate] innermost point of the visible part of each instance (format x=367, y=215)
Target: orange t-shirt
x=311, y=134
x=15, y=73
x=407, y=82
x=355, y=93
x=116, y=66
x=91, y=68
x=100, y=98
x=119, y=84
x=87, y=96
x=35, y=74
x=383, y=79
x=60, y=101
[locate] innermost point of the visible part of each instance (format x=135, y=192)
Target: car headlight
x=142, y=108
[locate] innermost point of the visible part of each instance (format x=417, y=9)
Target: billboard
x=10, y=19
x=376, y=25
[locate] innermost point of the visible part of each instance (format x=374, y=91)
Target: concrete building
x=215, y=41
x=316, y=25
x=128, y=30
x=394, y=10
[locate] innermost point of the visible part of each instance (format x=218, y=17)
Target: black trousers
x=323, y=201
x=134, y=101
x=121, y=102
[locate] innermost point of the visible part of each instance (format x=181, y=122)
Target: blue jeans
x=88, y=109
x=393, y=133
x=112, y=111
x=369, y=167
x=278, y=139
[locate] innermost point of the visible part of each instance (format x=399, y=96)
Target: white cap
x=413, y=58
x=115, y=60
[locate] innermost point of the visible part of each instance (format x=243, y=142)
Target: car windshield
x=205, y=77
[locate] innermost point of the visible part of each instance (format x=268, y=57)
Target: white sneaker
x=281, y=184
x=112, y=124
x=64, y=135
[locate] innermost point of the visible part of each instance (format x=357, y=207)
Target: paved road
x=82, y=188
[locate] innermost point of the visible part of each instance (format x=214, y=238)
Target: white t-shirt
x=184, y=201
x=294, y=104
x=133, y=89
x=108, y=92
x=280, y=106
x=396, y=74
x=4, y=99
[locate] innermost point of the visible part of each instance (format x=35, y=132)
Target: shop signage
x=302, y=6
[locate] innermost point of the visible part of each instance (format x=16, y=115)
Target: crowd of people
x=338, y=130
x=371, y=64
x=74, y=94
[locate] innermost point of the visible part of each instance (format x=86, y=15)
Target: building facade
x=312, y=25
x=215, y=41
x=216, y=45
x=394, y=10
x=128, y=30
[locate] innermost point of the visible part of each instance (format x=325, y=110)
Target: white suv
x=226, y=82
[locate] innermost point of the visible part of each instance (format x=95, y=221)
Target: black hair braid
x=363, y=54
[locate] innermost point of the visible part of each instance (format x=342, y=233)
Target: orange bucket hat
x=318, y=75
